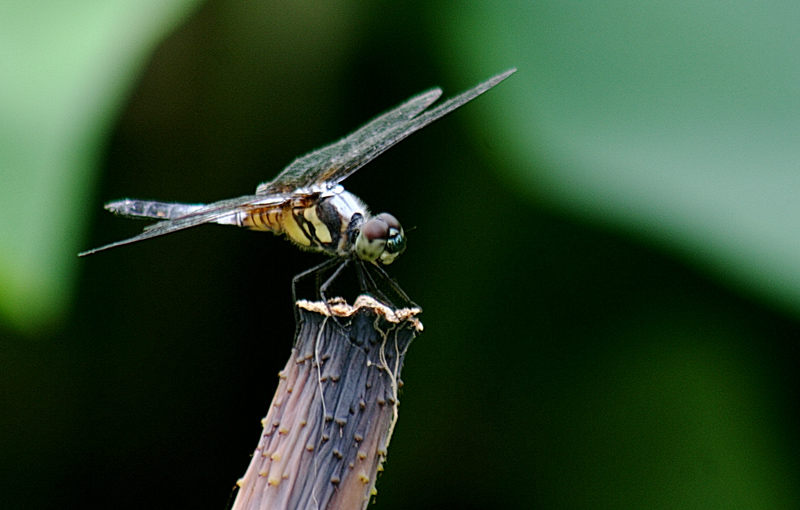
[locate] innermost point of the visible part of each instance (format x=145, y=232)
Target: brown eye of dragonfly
x=381, y=238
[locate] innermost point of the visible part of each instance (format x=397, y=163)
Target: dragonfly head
x=380, y=238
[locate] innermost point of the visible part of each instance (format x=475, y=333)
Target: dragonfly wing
x=151, y=209
x=314, y=167
x=336, y=162
x=217, y=212
x=372, y=147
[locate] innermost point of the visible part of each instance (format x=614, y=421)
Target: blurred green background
x=605, y=246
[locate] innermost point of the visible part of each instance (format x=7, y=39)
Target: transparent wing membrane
x=336, y=162
x=219, y=212
x=149, y=209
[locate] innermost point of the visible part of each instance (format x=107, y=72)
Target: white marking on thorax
x=347, y=204
x=342, y=203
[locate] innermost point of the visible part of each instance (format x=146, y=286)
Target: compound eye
x=390, y=220
x=380, y=238
x=396, y=242
x=372, y=239
x=375, y=230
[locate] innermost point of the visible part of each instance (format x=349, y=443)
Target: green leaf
x=676, y=121
x=67, y=68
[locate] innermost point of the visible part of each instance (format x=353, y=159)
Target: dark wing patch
x=334, y=163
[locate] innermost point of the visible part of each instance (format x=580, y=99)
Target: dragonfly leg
x=324, y=288
x=394, y=286
x=315, y=272
x=368, y=285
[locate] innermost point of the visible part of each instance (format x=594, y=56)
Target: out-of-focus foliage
x=675, y=120
x=67, y=67
x=603, y=249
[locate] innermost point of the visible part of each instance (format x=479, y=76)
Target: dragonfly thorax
x=338, y=223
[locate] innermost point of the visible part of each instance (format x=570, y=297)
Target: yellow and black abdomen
x=315, y=225
x=266, y=218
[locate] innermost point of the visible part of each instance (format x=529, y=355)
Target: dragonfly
x=307, y=203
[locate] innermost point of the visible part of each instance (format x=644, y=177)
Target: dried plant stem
x=327, y=431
